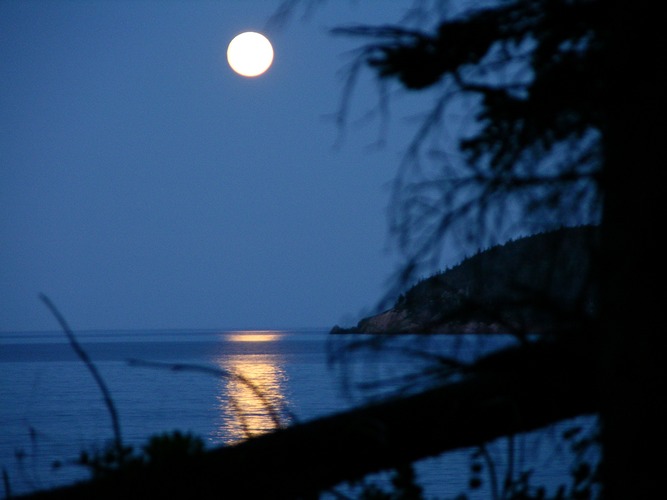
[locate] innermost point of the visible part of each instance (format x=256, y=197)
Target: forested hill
x=536, y=284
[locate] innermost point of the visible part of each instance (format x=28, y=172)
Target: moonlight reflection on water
x=252, y=401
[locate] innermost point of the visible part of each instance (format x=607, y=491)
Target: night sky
x=144, y=184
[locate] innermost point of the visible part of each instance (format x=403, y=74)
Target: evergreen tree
x=576, y=131
x=577, y=134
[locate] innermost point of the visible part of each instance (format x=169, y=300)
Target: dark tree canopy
x=575, y=131
x=570, y=105
x=534, y=70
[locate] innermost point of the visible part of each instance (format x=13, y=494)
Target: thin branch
x=493, y=476
x=5, y=482
x=83, y=355
x=219, y=372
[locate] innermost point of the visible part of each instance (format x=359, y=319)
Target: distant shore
x=440, y=329
x=502, y=289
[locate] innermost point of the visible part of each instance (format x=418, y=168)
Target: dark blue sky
x=143, y=184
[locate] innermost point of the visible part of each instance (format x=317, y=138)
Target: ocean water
x=224, y=386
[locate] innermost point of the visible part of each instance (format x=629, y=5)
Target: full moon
x=250, y=54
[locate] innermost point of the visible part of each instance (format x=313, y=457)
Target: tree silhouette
x=569, y=104
x=570, y=100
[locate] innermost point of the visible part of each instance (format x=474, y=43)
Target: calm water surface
x=229, y=385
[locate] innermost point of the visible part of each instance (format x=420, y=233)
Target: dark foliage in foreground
x=592, y=85
x=570, y=105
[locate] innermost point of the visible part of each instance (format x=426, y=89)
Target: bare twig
x=219, y=372
x=83, y=355
x=5, y=481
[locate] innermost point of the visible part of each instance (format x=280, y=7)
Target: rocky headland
x=536, y=284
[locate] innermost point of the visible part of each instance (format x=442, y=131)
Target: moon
x=250, y=54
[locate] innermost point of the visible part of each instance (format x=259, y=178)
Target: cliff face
x=536, y=284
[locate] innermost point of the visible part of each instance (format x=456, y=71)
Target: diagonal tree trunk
x=633, y=373
x=514, y=390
